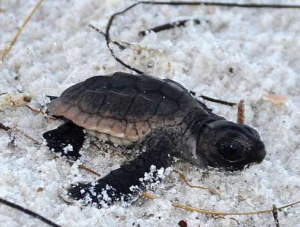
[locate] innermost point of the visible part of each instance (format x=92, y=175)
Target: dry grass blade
x=241, y=112
x=149, y=196
x=211, y=212
x=220, y=213
x=182, y=177
x=8, y=48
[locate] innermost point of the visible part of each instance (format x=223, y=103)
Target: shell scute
x=167, y=107
x=122, y=80
x=91, y=101
x=149, y=83
x=141, y=109
x=115, y=105
x=172, y=91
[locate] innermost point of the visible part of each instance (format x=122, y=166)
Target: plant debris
x=276, y=99
x=241, y=112
x=168, y=26
x=182, y=223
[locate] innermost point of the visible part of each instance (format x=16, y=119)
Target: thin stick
x=5, y=128
x=218, y=101
x=179, y=3
x=182, y=177
x=28, y=137
x=8, y=48
x=89, y=170
x=29, y=212
x=168, y=26
x=241, y=113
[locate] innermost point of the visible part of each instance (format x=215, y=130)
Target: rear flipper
x=130, y=180
x=60, y=139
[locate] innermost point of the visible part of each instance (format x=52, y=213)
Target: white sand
x=57, y=49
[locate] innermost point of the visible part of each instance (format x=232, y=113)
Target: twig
x=27, y=136
x=241, y=112
x=275, y=215
x=180, y=3
x=89, y=170
x=217, y=100
x=29, y=212
x=168, y=26
x=8, y=48
x=182, y=177
x=102, y=33
x=3, y=127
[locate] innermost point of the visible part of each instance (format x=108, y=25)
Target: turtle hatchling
x=158, y=116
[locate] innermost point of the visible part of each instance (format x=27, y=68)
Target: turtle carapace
x=160, y=117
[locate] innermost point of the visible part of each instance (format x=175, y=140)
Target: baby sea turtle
x=159, y=116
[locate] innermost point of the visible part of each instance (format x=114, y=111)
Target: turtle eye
x=230, y=150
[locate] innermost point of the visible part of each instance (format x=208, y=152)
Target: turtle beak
x=259, y=153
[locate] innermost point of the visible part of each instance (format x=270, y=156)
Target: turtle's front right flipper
x=130, y=180
x=67, y=140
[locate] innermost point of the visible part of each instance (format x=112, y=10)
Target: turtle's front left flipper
x=67, y=140
x=130, y=180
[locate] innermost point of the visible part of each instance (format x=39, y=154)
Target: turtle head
x=229, y=146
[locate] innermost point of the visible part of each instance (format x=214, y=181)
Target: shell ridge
x=130, y=105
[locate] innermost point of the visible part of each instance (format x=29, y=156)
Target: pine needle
x=212, y=212
x=20, y=30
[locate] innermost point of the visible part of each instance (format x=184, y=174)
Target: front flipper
x=130, y=180
x=66, y=134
